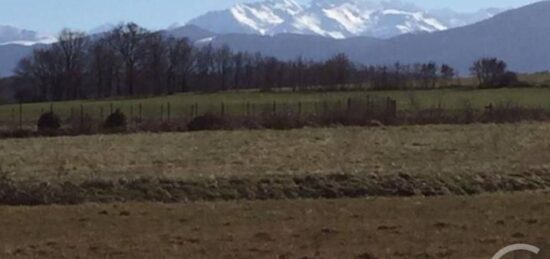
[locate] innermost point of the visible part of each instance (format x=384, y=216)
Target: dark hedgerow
x=208, y=121
x=116, y=121
x=49, y=122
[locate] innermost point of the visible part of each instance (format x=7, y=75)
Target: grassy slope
x=442, y=150
x=416, y=228
x=235, y=101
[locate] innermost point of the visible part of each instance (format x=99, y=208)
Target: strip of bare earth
x=452, y=227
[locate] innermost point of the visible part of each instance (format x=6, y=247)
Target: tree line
x=131, y=61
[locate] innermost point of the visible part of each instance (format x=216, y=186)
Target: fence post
x=299, y=107
x=349, y=104
x=13, y=117
x=168, y=111
x=81, y=117
x=394, y=109
x=20, y=116
x=140, y=113
x=162, y=112
x=131, y=114
x=368, y=101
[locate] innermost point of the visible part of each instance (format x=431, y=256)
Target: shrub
x=116, y=121
x=208, y=121
x=282, y=121
x=48, y=122
x=509, y=79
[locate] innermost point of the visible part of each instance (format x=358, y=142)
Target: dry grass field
x=430, y=150
x=407, y=228
x=376, y=227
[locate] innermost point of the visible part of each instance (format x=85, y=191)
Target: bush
x=49, y=122
x=282, y=121
x=509, y=79
x=116, y=121
x=208, y=121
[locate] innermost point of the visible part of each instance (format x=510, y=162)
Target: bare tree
x=489, y=72
x=71, y=45
x=104, y=68
x=181, y=62
x=126, y=40
x=429, y=75
x=222, y=61
x=155, y=63
x=447, y=73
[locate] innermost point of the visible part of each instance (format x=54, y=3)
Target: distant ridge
x=335, y=18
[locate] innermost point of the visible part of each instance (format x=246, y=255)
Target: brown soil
x=438, y=227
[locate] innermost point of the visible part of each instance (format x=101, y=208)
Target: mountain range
x=519, y=36
x=335, y=18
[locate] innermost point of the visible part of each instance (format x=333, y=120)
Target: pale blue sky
x=52, y=15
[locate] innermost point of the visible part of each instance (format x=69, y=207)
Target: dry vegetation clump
x=283, y=121
x=209, y=121
x=116, y=122
x=48, y=122
x=510, y=112
x=501, y=113
x=158, y=126
x=275, y=187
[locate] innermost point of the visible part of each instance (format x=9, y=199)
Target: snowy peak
x=257, y=18
x=334, y=18
x=342, y=19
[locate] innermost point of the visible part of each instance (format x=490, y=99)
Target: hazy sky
x=51, y=15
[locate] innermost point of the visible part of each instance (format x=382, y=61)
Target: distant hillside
x=10, y=56
x=520, y=36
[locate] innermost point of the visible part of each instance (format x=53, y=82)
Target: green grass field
x=235, y=102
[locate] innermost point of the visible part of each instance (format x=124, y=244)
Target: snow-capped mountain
x=255, y=18
x=334, y=18
x=13, y=35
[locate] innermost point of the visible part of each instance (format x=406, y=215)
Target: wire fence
x=25, y=116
